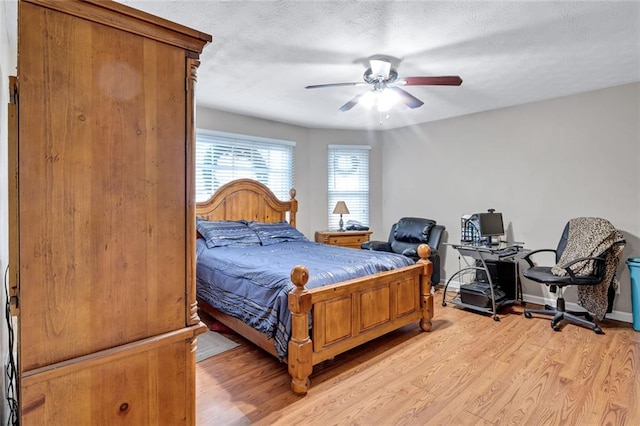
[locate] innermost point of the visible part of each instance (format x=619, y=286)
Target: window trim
x=239, y=136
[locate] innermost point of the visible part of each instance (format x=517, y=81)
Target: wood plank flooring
x=469, y=370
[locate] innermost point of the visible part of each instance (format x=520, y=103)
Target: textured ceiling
x=507, y=52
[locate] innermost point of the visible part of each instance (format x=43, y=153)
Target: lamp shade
x=340, y=208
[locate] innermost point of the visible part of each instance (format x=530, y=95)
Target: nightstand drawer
x=348, y=240
x=351, y=239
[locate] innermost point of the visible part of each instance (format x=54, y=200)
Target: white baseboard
x=453, y=285
x=615, y=315
x=570, y=306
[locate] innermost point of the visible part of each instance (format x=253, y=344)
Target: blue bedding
x=251, y=282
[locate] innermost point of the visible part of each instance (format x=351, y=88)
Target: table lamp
x=341, y=208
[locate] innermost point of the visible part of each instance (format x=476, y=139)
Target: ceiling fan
x=387, y=87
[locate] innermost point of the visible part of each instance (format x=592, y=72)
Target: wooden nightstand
x=351, y=239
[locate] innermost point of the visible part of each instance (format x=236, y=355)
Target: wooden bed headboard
x=249, y=200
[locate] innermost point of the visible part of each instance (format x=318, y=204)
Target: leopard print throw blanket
x=590, y=237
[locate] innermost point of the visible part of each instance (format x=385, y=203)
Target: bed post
x=424, y=251
x=300, y=346
x=294, y=208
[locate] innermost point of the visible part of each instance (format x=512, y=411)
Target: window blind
x=349, y=182
x=223, y=157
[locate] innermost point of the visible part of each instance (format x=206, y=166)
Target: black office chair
x=601, y=271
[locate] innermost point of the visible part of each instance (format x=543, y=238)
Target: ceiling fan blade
x=407, y=98
x=448, y=80
x=353, y=102
x=319, y=86
x=380, y=68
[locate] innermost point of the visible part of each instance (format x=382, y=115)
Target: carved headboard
x=250, y=200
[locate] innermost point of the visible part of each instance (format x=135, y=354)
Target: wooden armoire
x=102, y=215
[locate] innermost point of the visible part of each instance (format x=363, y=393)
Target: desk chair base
x=559, y=314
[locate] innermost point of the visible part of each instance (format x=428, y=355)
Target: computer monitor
x=490, y=224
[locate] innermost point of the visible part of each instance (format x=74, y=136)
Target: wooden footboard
x=353, y=312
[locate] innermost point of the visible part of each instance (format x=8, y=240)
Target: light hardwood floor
x=469, y=370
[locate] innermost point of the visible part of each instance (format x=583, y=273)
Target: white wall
x=539, y=164
x=8, y=56
x=310, y=161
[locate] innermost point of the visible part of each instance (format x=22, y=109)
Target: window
x=349, y=182
x=223, y=157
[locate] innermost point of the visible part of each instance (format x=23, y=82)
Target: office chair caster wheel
x=496, y=318
x=555, y=326
x=444, y=303
x=527, y=314
x=598, y=330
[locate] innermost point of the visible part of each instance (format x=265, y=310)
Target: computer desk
x=504, y=251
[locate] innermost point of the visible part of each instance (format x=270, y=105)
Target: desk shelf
x=457, y=301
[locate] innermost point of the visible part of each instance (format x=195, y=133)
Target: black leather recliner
x=405, y=237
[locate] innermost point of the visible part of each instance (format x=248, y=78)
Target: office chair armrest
x=528, y=255
x=567, y=266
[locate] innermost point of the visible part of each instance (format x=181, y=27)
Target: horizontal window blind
x=223, y=157
x=349, y=182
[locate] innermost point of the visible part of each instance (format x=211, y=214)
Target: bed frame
x=345, y=314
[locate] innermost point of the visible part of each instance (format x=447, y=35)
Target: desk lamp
x=341, y=208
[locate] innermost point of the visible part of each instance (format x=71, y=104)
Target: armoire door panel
x=102, y=187
x=145, y=388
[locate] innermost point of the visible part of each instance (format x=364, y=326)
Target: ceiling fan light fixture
x=369, y=99
x=371, y=78
x=387, y=99
x=380, y=69
x=382, y=100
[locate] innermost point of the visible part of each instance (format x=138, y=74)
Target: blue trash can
x=634, y=269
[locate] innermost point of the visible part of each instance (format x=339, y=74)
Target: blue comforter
x=251, y=283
